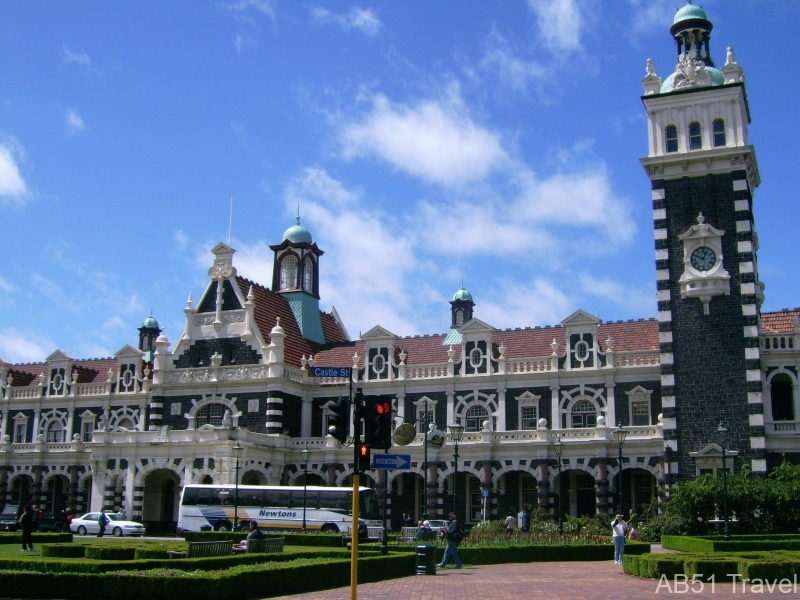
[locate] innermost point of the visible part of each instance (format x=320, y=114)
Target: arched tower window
x=210, y=414
x=459, y=317
x=308, y=275
x=719, y=133
x=584, y=414
x=782, y=400
x=695, y=137
x=289, y=272
x=671, y=137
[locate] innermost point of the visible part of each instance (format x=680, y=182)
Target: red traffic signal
x=363, y=457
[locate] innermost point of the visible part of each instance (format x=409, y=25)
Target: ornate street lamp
x=722, y=438
x=425, y=428
x=619, y=435
x=558, y=447
x=306, y=453
x=237, y=454
x=456, y=431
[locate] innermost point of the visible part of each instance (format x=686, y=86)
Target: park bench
x=374, y=535
x=408, y=534
x=205, y=550
x=265, y=545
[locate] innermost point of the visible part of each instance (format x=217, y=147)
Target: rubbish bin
x=426, y=559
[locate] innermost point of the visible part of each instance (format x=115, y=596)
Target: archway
x=21, y=490
x=160, y=503
x=313, y=479
x=516, y=490
x=84, y=501
x=638, y=490
x=57, y=498
x=580, y=498
x=253, y=478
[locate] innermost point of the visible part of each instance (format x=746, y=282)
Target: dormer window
x=719, y=133
x=308, y=275
x=288, y=272
x=695, y=137
x=671, y=137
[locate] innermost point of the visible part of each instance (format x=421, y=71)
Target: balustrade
x=778, y=342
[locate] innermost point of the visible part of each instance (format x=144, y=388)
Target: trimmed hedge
x=740, y=543
x=766, y=566
x=326, y=540
x=37, y=538
x=110, y=552
x=63, y=550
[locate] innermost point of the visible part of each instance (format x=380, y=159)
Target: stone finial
x=610, y=343
x=450, y=353
x=251, y=297
x=403, y=356
x=303, y=361
x=42, y=378
x=227, y=421
x=554, y=346
x=110, y=375
x=74, y=378
x=729, y=57
x=216, y=359
x=310, y=360
x=542, y=424
x=189, y=302
x=502, y=349
x=651, y=66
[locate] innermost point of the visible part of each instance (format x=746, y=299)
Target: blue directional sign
x=391, y=461
x=336, y=372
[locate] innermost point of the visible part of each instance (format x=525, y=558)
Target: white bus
x=277, y=508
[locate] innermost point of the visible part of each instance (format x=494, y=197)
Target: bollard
x=426, y=559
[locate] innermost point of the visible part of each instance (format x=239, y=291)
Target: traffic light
x=339, y=421
x=363, y=457
x=378, y=423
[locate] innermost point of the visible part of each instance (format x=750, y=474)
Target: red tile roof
x=89, y=370
x=781, y=321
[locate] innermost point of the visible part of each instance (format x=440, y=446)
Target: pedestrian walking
x=102, y=521
x=454, y=537
x=526, y=521
x=620, y=529
x=509, y=524
x=26, y=523
x=68, y=519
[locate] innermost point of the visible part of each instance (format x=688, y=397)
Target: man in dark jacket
x=26, y=523
x=453, y=533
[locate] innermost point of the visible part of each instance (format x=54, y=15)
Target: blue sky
x=425, y=142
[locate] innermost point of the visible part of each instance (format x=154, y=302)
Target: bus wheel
x=328, y=528
x=223, y=526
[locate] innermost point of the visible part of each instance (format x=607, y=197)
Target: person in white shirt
x=620, y=529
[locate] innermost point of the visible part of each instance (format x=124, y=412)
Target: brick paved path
x=532, y=581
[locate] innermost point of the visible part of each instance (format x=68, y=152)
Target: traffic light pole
x=357, y=413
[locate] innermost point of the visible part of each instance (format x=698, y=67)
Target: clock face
x=703, y=258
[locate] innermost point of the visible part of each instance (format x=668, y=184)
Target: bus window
x=276, y=498
x=336, y=500
x=190, y=496
x=204, y=496
x=253, y=498
x=221, y=496
x=311, y=499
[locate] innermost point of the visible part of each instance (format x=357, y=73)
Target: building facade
x=130, y=431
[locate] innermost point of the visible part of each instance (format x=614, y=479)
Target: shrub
x=110, y=552
x=63, y=550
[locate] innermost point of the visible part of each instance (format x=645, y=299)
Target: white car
x=118, y=525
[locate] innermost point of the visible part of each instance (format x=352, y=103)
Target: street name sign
x=335, y=372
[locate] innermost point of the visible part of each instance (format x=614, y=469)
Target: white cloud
x=253, y=261
x=73, y=121
x=521, y=305
x=79, y=58
x=636, y=300
x=94, y=351
x=512, y=69
x=651, y=15
x=559, y=23
x=436, y=140
x=181, y=239
x=363, y=20
x=24, y=347
x=243, y=41
x=12, y=186
x=242, y=10
x=6, y=286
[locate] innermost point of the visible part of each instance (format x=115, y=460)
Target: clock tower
x=703, y=175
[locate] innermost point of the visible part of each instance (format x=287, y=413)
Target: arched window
x=55, y=432
x=288, y=272
x=475, y=418
x=308, y=275
x=671, y=136
x=459, y=317
x=126, y=423
x=210, y=414
x=782, y=398
x=584, y=414
x=695, y=137
x=719, y=133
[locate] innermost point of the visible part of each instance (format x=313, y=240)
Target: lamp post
x=619, y=435
x=305, y=453
x=558, y=446
x=237, y=454
x=425, y=430
x=456, y=431
x=722, y=438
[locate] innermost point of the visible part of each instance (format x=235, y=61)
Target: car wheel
x=223, y=527
x=328, y=528
x=117, y=532
x=81, y=530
